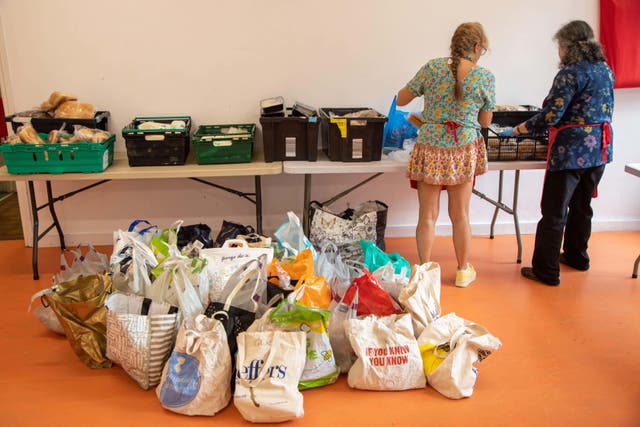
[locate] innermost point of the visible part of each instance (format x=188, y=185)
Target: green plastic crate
x=213, y=146
x=85, y=157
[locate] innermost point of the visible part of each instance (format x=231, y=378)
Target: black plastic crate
x=157, y=147
x=47, y=124
x=347, y=139
x=290, y=138
x=525, y=147
x=513, y=118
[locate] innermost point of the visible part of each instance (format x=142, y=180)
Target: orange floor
x=570, y=355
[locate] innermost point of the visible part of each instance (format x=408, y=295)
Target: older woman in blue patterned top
x=577, y=111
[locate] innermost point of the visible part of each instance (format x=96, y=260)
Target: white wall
x=215, y=60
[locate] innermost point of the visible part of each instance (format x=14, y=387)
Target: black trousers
x=566, y=210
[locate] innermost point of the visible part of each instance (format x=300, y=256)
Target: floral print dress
x=450, y=149
x=581, y=94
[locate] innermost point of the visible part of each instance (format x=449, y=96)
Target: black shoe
x=562, y=259
x=529, y=274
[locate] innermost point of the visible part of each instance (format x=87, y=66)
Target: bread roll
x=75, y=110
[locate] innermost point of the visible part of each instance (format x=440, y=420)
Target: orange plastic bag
x=313, y=291
x=301, y=266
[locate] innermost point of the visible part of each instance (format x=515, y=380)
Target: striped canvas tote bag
x=140, y=335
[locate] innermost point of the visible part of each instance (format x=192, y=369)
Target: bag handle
x=236, y=242
x=243, y=278
x=134, y=224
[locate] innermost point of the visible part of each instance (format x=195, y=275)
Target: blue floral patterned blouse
x=582, y=93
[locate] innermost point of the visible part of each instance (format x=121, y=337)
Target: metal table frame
x=634, y=169
x=120, y=170
x=324, y=166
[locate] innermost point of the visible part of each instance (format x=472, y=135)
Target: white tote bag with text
x=387, y=351
x=268, y=369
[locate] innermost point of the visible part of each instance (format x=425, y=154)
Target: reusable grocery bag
x=320, y=366
x=224, y=261
x=387, y=351
x=269, y=368
x=421, y=296
x=367, y=221
x=195, y=232
x=79, y=306
x=450, y=346
x=231, y=230
x=195, y=380
x=140, y=335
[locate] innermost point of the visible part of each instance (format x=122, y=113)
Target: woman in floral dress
x=577, y=111
x=459, y=98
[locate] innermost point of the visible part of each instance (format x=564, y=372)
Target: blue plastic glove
x=507, y=132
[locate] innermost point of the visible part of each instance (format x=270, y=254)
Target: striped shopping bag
x=140, y=336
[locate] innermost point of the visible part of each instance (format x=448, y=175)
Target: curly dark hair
x=577, y=37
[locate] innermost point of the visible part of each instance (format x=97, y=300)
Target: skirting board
x=478, y=229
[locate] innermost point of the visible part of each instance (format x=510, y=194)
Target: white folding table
x=120, y=170
x=386, y=165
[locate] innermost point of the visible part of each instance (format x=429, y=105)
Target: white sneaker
x=466, y=276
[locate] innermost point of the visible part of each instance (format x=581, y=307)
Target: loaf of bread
x=28, y=135
x=75, y=110
x=55, y=99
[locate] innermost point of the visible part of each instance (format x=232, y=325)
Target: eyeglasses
x=483, y=51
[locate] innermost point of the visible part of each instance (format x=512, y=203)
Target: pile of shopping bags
x=256, y=320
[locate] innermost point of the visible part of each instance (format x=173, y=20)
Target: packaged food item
x=28, y=135
x=272, y=106
x=83, y=133
x=55, y=99
x=302, y=110
x=75, y=110
x=11, y=139
x=175, y=124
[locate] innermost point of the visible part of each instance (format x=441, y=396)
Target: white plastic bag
x=421, y=296
x=390, y=280
x=131, y=261
x=269, y=366
x=450, y=346
x=387, y=351
x=176, y=285
x=342, y=351
x=195, y=380
x=330, y=265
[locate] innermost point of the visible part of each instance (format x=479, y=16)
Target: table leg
x=514, y=207
x=35, y=223
x=54, y=217
x=307, y=202
x=635, y=268
x=497, y=209
x=258, y=188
